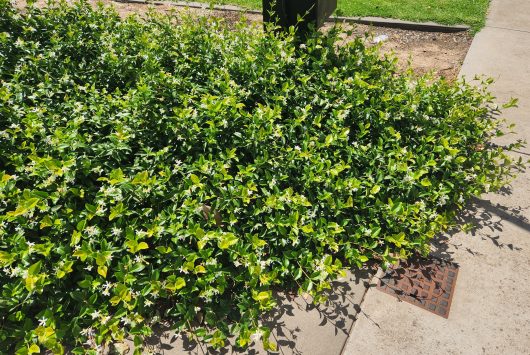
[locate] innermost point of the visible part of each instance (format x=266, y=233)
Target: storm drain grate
x=426, y=283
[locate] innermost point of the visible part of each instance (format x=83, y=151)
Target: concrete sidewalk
x=490, y=313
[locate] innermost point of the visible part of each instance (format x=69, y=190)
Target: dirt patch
x=440, y=53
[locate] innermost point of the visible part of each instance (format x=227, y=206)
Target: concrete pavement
x=490, y=313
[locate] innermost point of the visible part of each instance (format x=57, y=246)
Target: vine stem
x=195, y=336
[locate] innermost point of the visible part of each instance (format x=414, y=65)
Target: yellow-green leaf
x=81, y=254
x=116, y=211
x=242, y=341
x=46, y=222
x=308, y=228
x=425, y=182
x=102, y=270
x=116, y=176
x=195, y=179
x=271, y=346
x=33, y=349
x=258, y=243
x=199, y=269
x=34, y=269
x=66, y=268
x=24, y=207
x=262, y=296
x=349, y=202
x=76, y=238
x=101, y=258
x=135, y=247
x=375, y=189
x=6, y=258
x=141, y=178
x=227, y=240
x=180, y=283
x=201, y=243
x=44, y=334
x=6, y=177
x=115, y=300
x=31, y=282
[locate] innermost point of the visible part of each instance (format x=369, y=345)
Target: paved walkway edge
x=375, y=277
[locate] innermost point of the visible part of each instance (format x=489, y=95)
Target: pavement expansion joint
x=426, y=283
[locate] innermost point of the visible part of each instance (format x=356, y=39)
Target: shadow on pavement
x=301, y=327
x=298, y=326
x=488, y=220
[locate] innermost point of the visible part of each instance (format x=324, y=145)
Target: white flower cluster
x=442, y=200
x=106, y=288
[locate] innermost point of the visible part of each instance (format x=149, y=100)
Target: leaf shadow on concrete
x=297, y=325
x=488, y=220
x=300, y=327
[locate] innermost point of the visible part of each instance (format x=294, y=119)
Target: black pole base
x=286, y=13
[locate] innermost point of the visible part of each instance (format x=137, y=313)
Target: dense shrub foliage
x=153, y=170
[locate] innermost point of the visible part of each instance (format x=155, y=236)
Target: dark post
x=285, y=13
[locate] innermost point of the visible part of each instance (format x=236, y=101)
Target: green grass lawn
x=469, y=12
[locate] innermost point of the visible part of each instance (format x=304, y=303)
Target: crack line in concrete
x=350, y=331
x=507, y=29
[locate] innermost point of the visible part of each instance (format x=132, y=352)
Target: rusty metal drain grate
x=426, y=283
